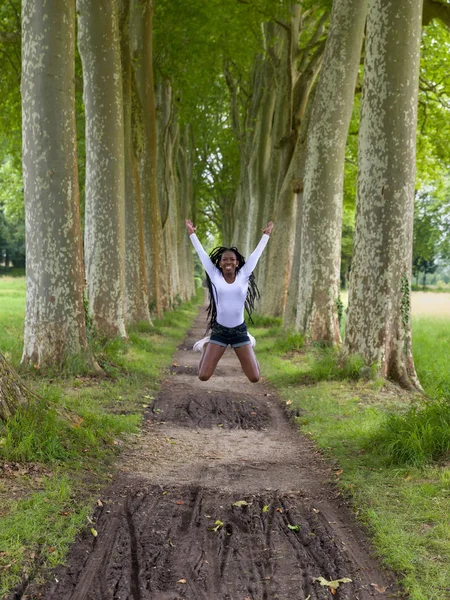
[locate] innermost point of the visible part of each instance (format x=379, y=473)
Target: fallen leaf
x=288, y=402
x=379, y=589
x=51, y=549
x=180, y=502
x=265, y=508
x=240, y=503
x=94, y=532
x=293, y=527
x=218, y=524
x=182, y=581
x=280, y=510
x=332, y=584
x=99, y=502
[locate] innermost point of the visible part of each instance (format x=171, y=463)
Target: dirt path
x=220, y=499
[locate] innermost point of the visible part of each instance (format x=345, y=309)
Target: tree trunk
x=379, y=319
x=185, y=162
x=55, y=325
x=167, y=137
x=99, y=45
x=289, y=154
x=13, y=393
x=320, y=254
x=281, y=84
x=142, y=53
x=136, y=294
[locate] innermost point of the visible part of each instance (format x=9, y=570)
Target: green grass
x=12, y=310
x=39, y=528
x=431, y=348
x=375, y=435
x=70, y=438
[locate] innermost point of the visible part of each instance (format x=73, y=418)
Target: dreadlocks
x=252, y=293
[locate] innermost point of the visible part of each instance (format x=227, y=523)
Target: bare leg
x=211, y=355
x=249, y=364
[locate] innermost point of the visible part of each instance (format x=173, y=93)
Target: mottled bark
x=136, y=294
x=323, y=185
x=296, y=180
x=13, y=393
x=379, y=321
x=99, y=45
x=142, y=54
x=185, y=162
x=167, y=137
x=55, y=318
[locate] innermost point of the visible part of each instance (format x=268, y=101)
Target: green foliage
x=431, y=232
x=10, y=69
x=12, y=214
x=434, y=102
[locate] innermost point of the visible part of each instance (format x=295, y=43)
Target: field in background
x=423, y=303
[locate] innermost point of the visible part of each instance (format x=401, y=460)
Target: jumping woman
x=232, y=288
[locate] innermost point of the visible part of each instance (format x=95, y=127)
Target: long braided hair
x=252, y=292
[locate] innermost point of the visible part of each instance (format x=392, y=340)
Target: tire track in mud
x=219, y=499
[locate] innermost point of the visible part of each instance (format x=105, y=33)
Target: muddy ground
x=220, y=498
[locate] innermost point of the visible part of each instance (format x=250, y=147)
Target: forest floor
x=220, y=497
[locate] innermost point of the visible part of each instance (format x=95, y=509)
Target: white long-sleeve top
x=230, y=297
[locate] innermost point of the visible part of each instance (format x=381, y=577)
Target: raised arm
x=252, y=260
x=207, y=263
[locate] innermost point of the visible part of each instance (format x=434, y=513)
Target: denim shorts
x=233, y=336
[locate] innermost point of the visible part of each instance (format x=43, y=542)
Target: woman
x=232, y=288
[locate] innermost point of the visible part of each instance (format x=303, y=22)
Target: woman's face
x=228, y=262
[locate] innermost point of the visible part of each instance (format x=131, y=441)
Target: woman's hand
x=268, y=228
x=190, y=227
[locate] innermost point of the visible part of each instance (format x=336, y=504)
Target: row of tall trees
x=301, y=274
x=130, y=233
x=231, y=114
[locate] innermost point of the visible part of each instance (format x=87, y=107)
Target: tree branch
x=434, y=9
x=9, y=37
